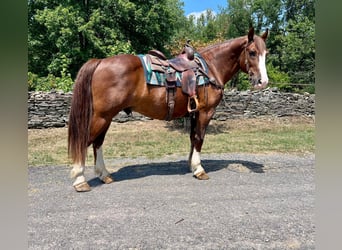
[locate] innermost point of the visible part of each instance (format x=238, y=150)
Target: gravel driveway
x=251, y=201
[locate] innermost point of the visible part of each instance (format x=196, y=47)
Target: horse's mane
x=224, y=43
x=228, y=42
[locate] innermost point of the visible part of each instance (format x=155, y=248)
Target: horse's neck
x=224, y=59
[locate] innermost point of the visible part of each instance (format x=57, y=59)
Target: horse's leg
x=99, y=127
x=100, y=168
x=98, y=132
x=80, y=184
x=199, y=123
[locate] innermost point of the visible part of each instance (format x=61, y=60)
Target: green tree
x=293, y=49
x=64, y=34
x=297, y=50
x=295, y=9
x=291, y=42
x=240, y=17
x=204, y=28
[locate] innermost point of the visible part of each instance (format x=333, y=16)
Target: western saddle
x=189, y=68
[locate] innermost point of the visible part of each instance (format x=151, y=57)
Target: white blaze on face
x=262, y=68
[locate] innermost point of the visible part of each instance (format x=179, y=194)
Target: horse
x=104, y=87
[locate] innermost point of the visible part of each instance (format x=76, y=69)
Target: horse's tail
x=81, y=113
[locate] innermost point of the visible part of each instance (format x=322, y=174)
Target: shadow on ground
x=175, y=168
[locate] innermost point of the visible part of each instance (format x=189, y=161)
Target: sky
x=198, y=6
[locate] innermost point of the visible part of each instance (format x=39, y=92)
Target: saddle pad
x=155, y=77
x=158, y=78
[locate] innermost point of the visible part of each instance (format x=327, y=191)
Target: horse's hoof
x=82, y=187
x=108, y=179
x=202, y=176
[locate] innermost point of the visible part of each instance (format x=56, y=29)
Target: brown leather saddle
x=185, y=65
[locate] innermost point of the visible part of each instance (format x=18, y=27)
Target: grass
x=155, y=139
x=285, y=135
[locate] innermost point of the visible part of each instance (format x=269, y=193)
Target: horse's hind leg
x=80, y=184
x=100, y=168
x=98, y=131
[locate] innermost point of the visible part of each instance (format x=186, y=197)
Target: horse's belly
x=155, y=104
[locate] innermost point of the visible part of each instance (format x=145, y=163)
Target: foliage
x=205, y=26
x=277, y=76
x=291, y=41
x=64, y=34
x=298, y=57
x=49, y=82
x=202, y=31
x=260, y=14
x=176, y=47
x=239, y=82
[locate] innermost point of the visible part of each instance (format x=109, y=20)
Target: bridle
x=246, y=54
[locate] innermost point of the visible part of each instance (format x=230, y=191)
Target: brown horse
x=104, y=87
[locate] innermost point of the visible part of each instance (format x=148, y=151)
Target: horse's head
x=253, y=59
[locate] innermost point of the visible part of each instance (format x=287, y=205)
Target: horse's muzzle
x=257, y=83
x=260, y=85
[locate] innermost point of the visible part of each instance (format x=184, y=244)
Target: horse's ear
x=251, y=34
x=264, y=35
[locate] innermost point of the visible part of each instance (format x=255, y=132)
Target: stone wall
x=51, y=109
x=235, y=104
x=48, y=109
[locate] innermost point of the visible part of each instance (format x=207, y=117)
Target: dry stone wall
x=236, y=104
x=48, y=109
x=51, y=109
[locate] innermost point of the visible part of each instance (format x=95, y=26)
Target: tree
x=291, y=42
x=64, y=34
x=297, y=50
x=295, y=9
x=67, y=33
x=294, y=43
x=240, y=17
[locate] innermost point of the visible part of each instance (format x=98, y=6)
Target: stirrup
x=196, y=104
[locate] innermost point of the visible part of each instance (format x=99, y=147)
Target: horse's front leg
x=199, y=123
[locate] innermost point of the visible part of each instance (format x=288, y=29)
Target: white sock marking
x=100, y=168
x=77, y=172
x=195, y=162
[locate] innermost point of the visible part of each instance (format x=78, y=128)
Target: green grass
x=156, y=139
x=288, y=140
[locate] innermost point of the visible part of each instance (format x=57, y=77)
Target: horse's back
x=121, y=70
x=123, y=65
x=114, y=81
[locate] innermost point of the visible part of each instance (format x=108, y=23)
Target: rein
x=211, y=80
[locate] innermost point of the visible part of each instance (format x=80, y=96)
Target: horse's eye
x=252, y=53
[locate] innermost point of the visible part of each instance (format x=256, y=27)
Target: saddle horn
x=189, y=50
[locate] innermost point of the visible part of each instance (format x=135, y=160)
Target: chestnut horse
x=104, y=87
